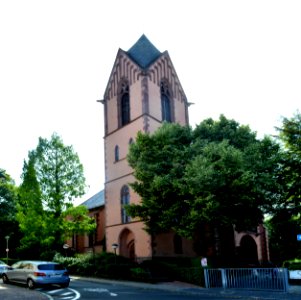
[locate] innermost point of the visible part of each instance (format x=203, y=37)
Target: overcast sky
x=237, y=58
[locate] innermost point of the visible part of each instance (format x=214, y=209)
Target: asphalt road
x=16, y=292
x=84, y=289
x=87, y=290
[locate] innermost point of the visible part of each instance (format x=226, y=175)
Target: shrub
x=140, y=274
x=105, y=265
x=294, y=264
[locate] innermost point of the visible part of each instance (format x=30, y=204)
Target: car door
x=15, y=273
x=26, y=269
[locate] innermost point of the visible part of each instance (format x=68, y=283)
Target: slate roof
x=95, y=201
x=143, y=52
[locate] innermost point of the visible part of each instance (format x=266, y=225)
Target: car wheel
x=30, y=284
x=5, y=279
x=65, y=285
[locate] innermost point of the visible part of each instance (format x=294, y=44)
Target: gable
x=143, y=59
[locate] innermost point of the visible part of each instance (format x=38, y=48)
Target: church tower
x=143, y=91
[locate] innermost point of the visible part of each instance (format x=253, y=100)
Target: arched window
x=124, y=104
x=116, y=153
x=125, y=199
x=165, y=102
x=177, y=243
x=131, y=141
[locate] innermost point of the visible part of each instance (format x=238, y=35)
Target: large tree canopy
x=218, y=173
x=290, y=135
x=159, y=163
x=284, y=224
x=59, y=173
x=52, y=178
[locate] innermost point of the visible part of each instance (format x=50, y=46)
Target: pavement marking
x=47, y=295
x=77, y=294
x=100, y=290
x=72, y=295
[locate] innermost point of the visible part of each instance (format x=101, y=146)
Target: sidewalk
x=293, y=293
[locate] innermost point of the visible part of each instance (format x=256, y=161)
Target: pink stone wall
x=146, y=116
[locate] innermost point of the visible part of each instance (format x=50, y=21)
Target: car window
x=27, y=266
x=17, y=265
x=23, y=266
x=54, y=267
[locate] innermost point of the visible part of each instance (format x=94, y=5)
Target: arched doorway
x=247, y=253
x=127, y=244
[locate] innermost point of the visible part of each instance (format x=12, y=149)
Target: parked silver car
x=37, y=273
x=3, y=267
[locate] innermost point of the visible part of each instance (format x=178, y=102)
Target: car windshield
x=51, y=267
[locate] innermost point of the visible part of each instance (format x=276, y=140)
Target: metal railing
x=274, y=279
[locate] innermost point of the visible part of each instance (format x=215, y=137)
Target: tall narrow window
x=116, y=153
x=177, y=243
x=124, y=104
x=125, y=108
x=165, y=102
x=125, y=199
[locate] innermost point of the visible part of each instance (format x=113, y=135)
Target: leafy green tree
x=290, y=135
x=285, y=223
x=77, y=221
x=31, y=215
x=159, y=162
x=59, y=172
x=8, y=223
x=52, y=178
x=217, y=174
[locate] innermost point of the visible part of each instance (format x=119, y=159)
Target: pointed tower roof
x=143, y=52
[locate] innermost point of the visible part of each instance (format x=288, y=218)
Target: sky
x=237, y=58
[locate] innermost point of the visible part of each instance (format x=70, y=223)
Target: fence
x=274, y=279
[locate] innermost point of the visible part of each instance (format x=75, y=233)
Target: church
x=143, y=91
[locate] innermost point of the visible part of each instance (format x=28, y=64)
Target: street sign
x=298, y=237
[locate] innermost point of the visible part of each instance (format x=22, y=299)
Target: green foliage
x=290, y=135
x=159, y=162
x=284, y=224
x=81, y=264
x=283, y=229
x=30, y=213
x=52, y=177
x=140, y=274
x=8, y=223
x=218, y=173
x=104, y=265
x=7, y=199
x=77, y=221
x=292, y=264
x=238, y=136
x=173, y=268
x=59, y=173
